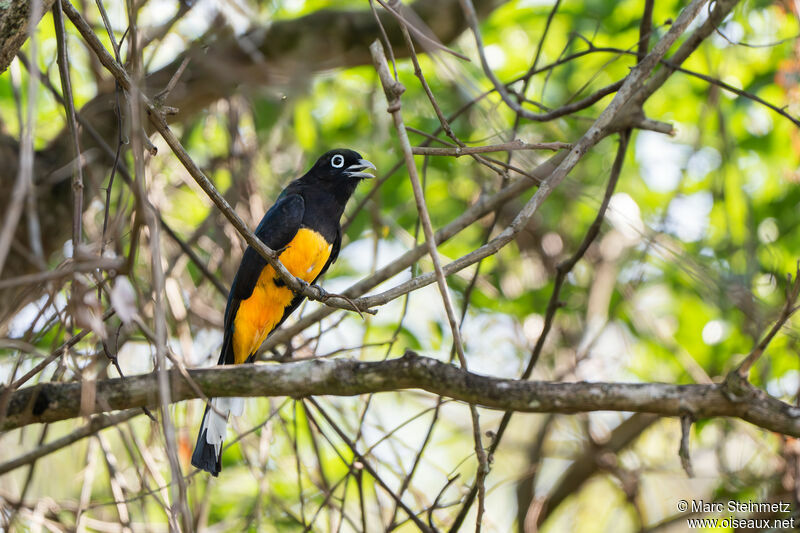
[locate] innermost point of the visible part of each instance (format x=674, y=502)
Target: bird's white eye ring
x=337, y=161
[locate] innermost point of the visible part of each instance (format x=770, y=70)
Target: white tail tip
x=216, y=422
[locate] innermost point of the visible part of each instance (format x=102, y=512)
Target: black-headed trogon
x=303, y=225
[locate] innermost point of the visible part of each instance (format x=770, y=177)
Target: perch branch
x=51, y=402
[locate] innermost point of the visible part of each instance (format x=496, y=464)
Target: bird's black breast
x=323, y=209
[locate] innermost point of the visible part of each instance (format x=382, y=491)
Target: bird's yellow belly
x=257, y=316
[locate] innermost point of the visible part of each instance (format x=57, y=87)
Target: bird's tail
x=208, y=448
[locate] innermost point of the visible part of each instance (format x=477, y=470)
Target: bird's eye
x=337, y=161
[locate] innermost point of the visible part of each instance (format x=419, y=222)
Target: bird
x=304, y=226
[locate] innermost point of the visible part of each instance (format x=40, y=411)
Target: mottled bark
x=58, y=401
x=14, y=17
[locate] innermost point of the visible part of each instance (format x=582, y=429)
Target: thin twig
x=116, y=484
x=683, y=450
x=645, y=29
x=34, y=225
x=118, y=113
x=179, y=510
x=458, y=151
x=788, y=309
x=393, y=90
x=69, y=108
x=162, y=96
x=367, y=467
x=68, y=269
x=675, y=66
x=156, y=116
x=419, y=34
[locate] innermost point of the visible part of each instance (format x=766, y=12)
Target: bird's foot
x=322, y=295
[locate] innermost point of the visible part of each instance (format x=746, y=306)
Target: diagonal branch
x=788, y=309
x=157, y=118
x=483, y=206
x=562, y=270
x=282, y=52
x=585, y=466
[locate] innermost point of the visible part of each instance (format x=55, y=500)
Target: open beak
x=357, y=170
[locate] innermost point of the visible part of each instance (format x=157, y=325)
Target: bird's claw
x=322, y=294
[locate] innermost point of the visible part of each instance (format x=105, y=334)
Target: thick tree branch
x=14, y=23
x=58, y=401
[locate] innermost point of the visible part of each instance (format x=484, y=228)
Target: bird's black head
x=334, y=176
x=341, y=165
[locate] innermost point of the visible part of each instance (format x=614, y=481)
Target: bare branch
x=484, y=206
x=58, y=401
x=159, y=122
x=683, y=450
x=505, y=147
x=68, y=269
x=69, y=109
x=792, y=292
x=18, y=20
x=562, y=270
x=393, y=89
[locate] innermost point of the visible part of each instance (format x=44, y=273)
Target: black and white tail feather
x=208, y=449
